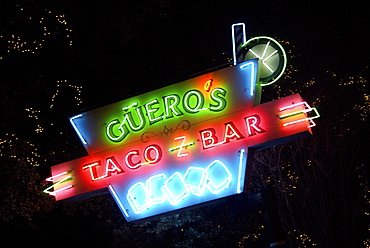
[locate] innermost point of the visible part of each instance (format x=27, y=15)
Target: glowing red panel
x=256, y=126
x=180, y=145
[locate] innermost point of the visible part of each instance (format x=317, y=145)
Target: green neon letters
x=189, y=105
x=136, y=118
x=218, y=95
x=113, y=128
x=151, y=110
x=171, y=103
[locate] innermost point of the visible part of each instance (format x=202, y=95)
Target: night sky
x=60, y=58
x=121, y=49
x=174, y=42
x=103, y=52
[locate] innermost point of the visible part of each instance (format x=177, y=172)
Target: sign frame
x=185, y=144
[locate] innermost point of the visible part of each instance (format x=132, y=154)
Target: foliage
x=320, y=199
x=21, y=191
x=315, y=180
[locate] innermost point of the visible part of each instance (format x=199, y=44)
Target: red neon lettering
x=180, y=147
x=152, y=155
x=130, y=164
x=231, y=132
x=93, y=171
x=148, y=154
x=209, y=138
x=112, y=166
x=253, y=127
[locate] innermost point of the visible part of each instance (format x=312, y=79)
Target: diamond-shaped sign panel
x=219, y=177
x=175, y=188
x=196, y=178
x=136, y=196
x=154, y=185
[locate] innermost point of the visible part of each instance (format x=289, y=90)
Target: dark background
x=125, y=48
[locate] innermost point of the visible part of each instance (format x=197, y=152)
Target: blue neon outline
x=233, y=38
x=149, y=185
x=120, y=205
x=253, y=75
x=130, y=198
x=189, y=189
x=228, y=180
x=76, y=129
x=197, y=190
x=241, y=156
x=174, y=200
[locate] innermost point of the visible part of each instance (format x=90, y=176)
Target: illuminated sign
x=272, y=56
x=201, y=98
x=180, y=145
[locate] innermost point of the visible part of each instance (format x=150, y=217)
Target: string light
x=250, y=237
x=11, y=146
x=77, y=88
x=33, y=113
x=20, y=43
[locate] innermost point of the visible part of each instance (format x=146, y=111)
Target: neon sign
x=272, y=56
x=181, y=145
x=151, y=112
x=200, y=98
x=204, y=162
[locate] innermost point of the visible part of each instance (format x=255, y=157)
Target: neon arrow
x=64, y=179
x=307, y=108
